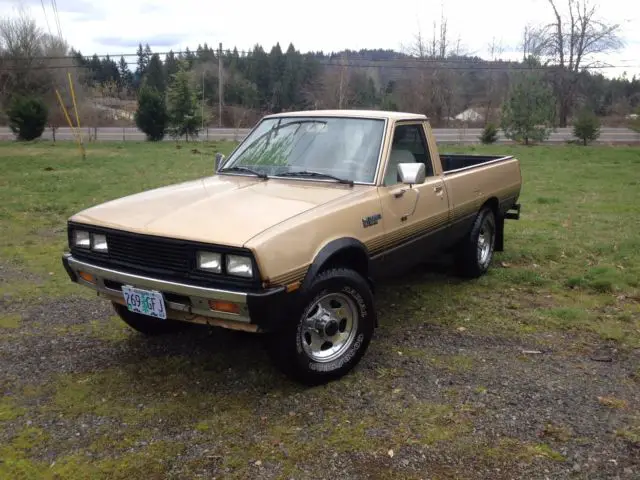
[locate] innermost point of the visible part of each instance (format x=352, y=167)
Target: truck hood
x=222, y=209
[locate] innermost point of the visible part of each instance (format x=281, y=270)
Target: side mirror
x=412, y=173
x=218, y=161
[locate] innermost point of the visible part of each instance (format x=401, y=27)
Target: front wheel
x=331, y=331
x=476, y=250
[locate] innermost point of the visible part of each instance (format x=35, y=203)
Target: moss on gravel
x=150, y=462
x=10, y=321
x=9, y=408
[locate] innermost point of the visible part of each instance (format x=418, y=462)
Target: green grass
x=571, y=266
x=571, y=263
x=43, y=184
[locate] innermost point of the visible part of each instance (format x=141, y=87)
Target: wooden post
x=75, y=108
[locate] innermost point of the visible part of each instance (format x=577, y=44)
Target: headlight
x=239, y=266
x=99, y=242
x=210, y=262
x=81, y=239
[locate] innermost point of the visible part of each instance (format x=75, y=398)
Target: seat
x=396, y=157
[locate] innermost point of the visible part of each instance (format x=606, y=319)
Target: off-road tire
x=470, y=261
x=345, y=291
x=148, y=325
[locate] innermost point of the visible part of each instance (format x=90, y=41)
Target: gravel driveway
x=84, y=396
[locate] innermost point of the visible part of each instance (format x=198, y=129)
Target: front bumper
x=257, y=311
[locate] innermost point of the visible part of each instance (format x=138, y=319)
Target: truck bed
x=453, y=162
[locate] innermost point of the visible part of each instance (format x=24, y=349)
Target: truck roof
x=382, y=114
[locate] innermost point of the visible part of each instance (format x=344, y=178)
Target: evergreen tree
x=144, y=56
x=147, y=53
x=154, y=77
x=170, y=67
x=234, y=60
x=141, y=62
x=489, y=134
x=184, y=114
x=126, y=77
x=189, y=57
x=528, y=112
x=258, y=73
x=277, y=67
x=109, y=71
x=586, y=127
x=363, y=91
x=151, y=115
x=95, y=67
x=292, y=78
x=27, y=117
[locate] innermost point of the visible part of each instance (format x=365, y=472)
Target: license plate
x=146, y=302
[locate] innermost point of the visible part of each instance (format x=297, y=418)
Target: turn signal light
x=226, y=307
x=87, y=277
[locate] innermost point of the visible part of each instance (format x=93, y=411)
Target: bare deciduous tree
x=334, y=89
x=34, y=62
x=571, y=42
x=21, y=42
x=433, y=88
x=493, y=86
x=533, y=43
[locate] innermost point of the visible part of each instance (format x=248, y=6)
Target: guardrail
x=609, y=135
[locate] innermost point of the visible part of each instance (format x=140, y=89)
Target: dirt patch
x=13, y=273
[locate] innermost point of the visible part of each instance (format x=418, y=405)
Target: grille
x=166, y=258
x=149, y=253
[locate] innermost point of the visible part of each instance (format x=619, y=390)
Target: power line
x=56, y=17
x=375, y=64
x=46, y=19
x=247, y=55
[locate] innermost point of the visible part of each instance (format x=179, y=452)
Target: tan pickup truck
x=289, y=235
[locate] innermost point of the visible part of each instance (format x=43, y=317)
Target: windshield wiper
x=308, y=173
x=245, y=169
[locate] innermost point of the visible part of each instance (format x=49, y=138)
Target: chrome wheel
x=486, y=239
x=329, y=327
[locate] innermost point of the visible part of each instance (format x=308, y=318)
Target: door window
x=409, y=145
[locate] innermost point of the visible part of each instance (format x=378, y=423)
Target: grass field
x=450, y=387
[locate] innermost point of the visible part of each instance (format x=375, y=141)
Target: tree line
x=433, y=74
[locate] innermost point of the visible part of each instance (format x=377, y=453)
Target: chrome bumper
x=194, y=306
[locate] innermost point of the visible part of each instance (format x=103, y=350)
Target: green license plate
x=146, y=302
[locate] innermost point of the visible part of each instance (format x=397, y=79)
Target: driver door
x=415, y=217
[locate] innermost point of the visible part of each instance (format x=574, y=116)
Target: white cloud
x=117, y=26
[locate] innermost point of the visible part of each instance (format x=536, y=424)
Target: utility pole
x=202, y=106
x=220, y=84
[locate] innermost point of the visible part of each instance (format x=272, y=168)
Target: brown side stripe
x=384, y=242
x=290, y=277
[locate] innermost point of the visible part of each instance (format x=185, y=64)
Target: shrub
x=489, y=134
x=586, y=127
x=27, y=117
x=151, y=116
x=634, y=123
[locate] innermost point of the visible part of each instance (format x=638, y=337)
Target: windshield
x=347, y=148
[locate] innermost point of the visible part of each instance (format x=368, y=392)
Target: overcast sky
x=117, y=26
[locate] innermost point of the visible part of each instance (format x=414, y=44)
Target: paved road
x=443, y=135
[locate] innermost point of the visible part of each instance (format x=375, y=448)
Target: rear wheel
x=476, y=250
x=148, y=325
x=330, y=332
